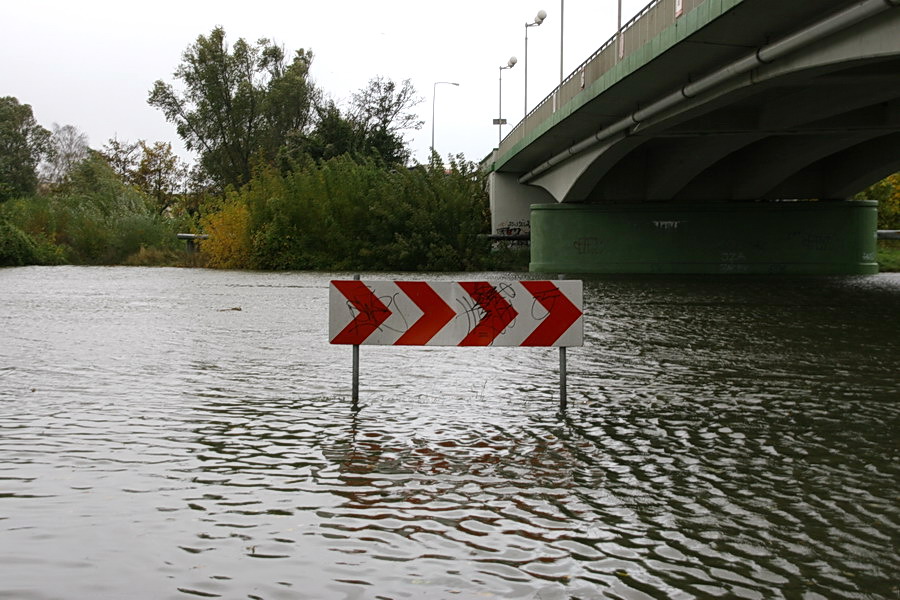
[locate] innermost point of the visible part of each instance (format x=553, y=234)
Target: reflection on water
x=724, y=438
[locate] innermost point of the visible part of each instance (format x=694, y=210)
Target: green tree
x=887, y=193
x=68, y=147
x=238, y=105
x=22, y=145
x=335, y=134
x=160, y=174
x=152, y=168
x=122, y=157
x=383, y=111
x=372, y=127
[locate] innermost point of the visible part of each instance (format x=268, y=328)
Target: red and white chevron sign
x=465, y=313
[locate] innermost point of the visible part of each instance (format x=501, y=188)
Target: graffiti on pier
x=588, y=245
x=514, y=228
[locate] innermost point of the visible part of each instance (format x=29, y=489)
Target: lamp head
x=512, y=62
x=542, y=14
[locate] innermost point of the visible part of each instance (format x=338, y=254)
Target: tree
x=887, y=193
x=153, y=169
x=22, y=145
x=383, y=111
x=335, y=134
x=122, y=157
x=238, y=105
x=372, y=126
x=160, y=174
x=68, y=147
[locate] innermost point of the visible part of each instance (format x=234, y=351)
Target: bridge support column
x=791, y=237
x=511, y=204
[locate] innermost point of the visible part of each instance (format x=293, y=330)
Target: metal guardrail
x=889, y=234
x=649, y=22
x=191, y=239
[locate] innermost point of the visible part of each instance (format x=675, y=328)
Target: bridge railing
x=652, y=20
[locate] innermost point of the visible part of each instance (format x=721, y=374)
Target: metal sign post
x=563, y=401
x=355, y=390
x=466, y=313
x=562, y=378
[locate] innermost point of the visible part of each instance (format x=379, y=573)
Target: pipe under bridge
x=712, y=136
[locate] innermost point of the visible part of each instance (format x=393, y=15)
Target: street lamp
x=433, y=96
x=562, y=13
x=537, y=21
x=620, y=43
x=500, y=121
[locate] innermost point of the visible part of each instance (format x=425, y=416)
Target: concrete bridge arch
x=814, y=113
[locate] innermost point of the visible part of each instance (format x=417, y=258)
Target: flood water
x=725, y=437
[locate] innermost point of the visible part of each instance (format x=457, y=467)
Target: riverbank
x=889, y=256
x=516, y=259
x=509, y=260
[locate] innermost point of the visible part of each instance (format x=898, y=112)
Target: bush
x=16, y=247
x=345, y=214
x=155, y=257
x=93, y=219
x=887, y=193
x=228, y=246
x=889, y=255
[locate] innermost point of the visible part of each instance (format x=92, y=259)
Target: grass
x=157, y=257
x=889, y=255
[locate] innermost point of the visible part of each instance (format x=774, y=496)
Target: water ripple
x=730, y=438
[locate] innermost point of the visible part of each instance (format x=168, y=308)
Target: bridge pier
x=790, y=237
x=511, y=204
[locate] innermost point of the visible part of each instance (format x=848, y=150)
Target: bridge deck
x=661, y=52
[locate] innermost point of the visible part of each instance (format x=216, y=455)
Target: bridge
x=721, y=136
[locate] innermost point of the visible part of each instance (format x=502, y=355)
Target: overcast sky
x=91, y=63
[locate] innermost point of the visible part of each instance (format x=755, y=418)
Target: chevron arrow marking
x=372, y=312
x=561, y=313
x=498, y=313
x=436, y=313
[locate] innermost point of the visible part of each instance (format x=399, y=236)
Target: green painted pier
x=718, y=238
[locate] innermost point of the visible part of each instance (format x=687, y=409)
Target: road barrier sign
x=466, y=313
x=463, y=313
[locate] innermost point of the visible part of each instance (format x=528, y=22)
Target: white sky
x=91, y=63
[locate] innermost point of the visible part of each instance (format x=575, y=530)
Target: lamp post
x=620, y=43
x=537, y=21
x=499, y=120
x=433, y=97
x=562, y=13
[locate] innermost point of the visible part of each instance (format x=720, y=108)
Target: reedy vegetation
x=345, y=213
x=94, y=218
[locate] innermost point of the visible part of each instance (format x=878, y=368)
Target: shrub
x=887, y=193
x=228, y=246
x=16, y=247
x=345, y=214
x=92, y=219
